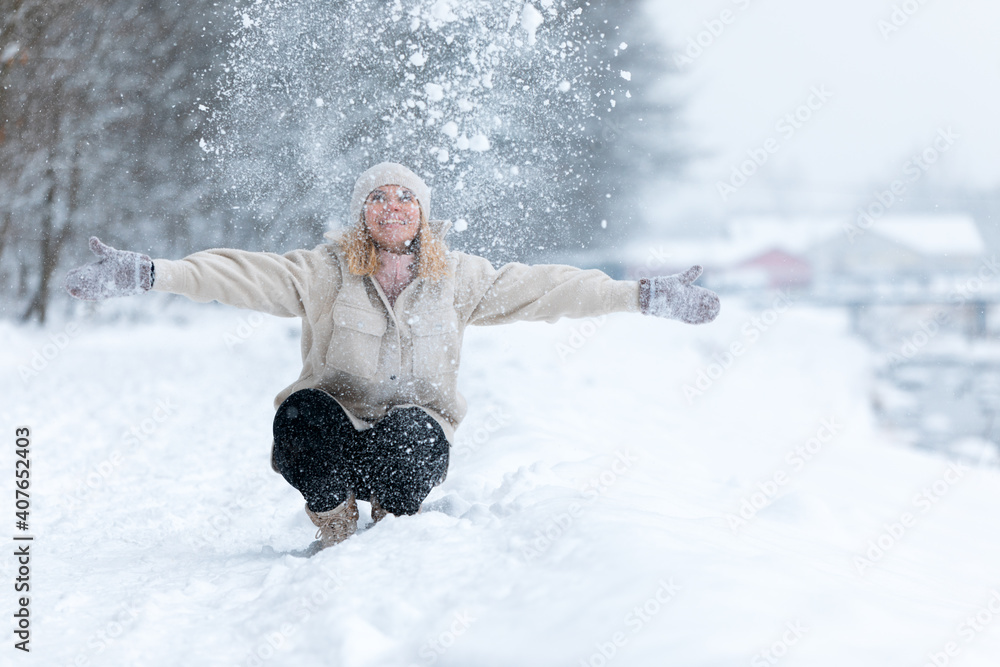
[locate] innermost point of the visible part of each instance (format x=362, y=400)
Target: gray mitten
x=676, y=298
x=116, y=273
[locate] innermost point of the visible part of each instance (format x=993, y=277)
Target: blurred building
x=897, y=259
x=920, y=289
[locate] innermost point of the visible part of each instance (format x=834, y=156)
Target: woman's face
x=392, y=215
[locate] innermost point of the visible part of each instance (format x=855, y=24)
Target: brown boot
x=338, y=524
x=378, y=512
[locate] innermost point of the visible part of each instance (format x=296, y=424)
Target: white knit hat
x=388, y=173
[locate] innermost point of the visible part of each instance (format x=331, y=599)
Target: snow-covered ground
x=596, y=512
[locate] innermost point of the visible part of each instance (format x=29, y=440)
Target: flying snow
x=434, y=92
x=457, y=90
x=531, y=19
x=479, y=142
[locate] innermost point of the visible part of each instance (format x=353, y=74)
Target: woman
x=383, y=308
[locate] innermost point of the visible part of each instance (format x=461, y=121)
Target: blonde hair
x=362, y=254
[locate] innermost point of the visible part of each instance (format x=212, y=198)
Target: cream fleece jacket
x=372, y=356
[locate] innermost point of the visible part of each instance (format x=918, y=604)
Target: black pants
x=320, y=453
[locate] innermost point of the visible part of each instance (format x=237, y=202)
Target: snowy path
x=588, y=508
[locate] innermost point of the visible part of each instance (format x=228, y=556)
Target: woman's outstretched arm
x=271, y=283
x=548, y=292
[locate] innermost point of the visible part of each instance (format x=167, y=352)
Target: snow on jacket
x=371, y=356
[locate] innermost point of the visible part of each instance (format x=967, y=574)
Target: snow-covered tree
x=98, y=119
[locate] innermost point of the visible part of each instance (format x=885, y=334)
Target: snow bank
x=595, y=511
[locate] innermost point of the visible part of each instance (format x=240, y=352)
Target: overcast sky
x=886, y=94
